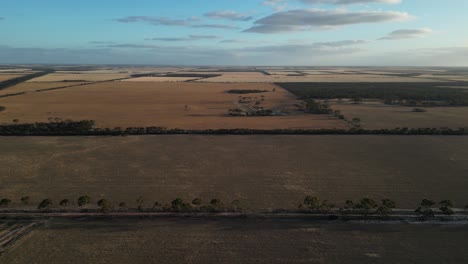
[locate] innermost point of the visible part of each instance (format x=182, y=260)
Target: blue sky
x=235, y=32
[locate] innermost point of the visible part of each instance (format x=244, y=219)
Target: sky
x=235, y=32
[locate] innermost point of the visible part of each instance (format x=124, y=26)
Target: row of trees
x=86, y=128
x=12, y=82
x=408, y=93
x=176, y=205
x=365, y=206
x=368, y=206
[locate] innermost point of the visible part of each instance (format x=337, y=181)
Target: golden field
x=172, y=105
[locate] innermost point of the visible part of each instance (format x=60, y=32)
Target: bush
x=46, y=203
x=197, y=201
x=83, y=200
x=25, y=200
x=5, y=202
x=64, y=202
x=105, y=205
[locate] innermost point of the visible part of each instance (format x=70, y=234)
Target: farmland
x=228, y=241
x=266, y=172
x=172, y=105
x=376, y=115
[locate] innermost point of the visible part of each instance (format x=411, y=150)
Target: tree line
x=408, y=93
x=87, y=128
x=15, y=81
x=426, y=209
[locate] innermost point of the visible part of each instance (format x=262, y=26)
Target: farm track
x=12, y=232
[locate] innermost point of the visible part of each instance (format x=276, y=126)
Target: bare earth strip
x=264, y=172
x=239, y=241
x=172, y=105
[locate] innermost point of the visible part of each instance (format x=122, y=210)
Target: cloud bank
x=229, y=15
x=295, y=20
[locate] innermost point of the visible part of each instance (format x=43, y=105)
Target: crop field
x=376, y=115
x=172, y=105
x=234, y=241
x=161, y=79
x=263, y=172
x=87, y=77
x=32, y=87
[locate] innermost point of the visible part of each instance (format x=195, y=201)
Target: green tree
x=105, y=205
x=83, y=200
x=386, y=207
x=425, y=208
x=25, y=200
x=177, y=204
x=312, y=202
x=46, y=203
x=64, y=202
x=366, y=205
x=122, y=205
x=216, y=204
x=446, y=207
x=197, y=201
x=5, y=202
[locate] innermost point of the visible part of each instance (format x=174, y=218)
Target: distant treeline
x=192, y=75
x=86, y=128
x=15, y=81
x=383, y=91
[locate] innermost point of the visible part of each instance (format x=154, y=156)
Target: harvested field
x=262, y=172
x=161, y=79
x=234, y=241
x=376, y=115
x=32, y=87
x=87, y=77
x=126, y=104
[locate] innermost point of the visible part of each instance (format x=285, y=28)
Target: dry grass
x=238, y=241
x=376, y=115
x=161, y=79
x=90, y=77
x=262, y=171
x=125, y=104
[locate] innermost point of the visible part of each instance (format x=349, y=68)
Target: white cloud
x=229, y=15
x=407, y=34
x=295, y=20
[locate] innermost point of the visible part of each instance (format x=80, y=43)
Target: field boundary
x=398, y=215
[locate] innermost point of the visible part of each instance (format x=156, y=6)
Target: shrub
x=25, y=200
x=83, y=200
x=446, y=207
x=46, y=203
x=197, y=201
x=105, y=205
x=5, y=202
x=64, y=202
